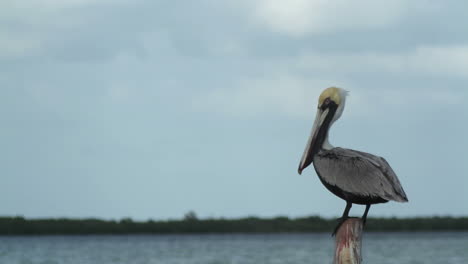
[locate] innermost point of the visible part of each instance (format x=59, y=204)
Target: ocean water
x=427, y=248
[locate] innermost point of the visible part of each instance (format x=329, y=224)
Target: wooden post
x=348, y=242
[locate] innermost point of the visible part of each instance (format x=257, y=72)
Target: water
x=379, y=248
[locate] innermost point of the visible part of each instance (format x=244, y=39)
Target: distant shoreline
x=191, y=225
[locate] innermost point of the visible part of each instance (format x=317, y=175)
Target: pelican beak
x=312, y=146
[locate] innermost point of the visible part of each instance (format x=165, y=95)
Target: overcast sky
x=149, y=109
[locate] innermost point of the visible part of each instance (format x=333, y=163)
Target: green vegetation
x=191, y=224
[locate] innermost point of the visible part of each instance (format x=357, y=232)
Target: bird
x=354, y=176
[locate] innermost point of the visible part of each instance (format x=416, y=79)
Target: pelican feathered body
x=358, y=177
x=354, y=176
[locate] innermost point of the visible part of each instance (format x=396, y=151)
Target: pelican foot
x=340, y=220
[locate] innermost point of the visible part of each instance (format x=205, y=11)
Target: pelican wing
x=359, y=173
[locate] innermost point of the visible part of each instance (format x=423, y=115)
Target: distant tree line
x=191, y=224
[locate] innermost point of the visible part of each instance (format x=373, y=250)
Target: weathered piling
x=348, y=242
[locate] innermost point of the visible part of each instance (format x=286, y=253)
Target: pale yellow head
x=334, y=94
x=330, y=107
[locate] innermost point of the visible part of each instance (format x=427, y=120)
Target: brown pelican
x=354, y=176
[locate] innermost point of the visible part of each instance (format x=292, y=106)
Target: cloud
x=17, y=45
x=452, y=60
x=283, y=94
x=37, y=27
x=439, y=60
x=293, y=84
x=32, y=5
x=296, y=97
x=300, y=17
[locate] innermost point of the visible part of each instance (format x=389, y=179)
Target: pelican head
x=330, y=107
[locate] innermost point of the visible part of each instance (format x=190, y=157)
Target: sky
x=150, y=109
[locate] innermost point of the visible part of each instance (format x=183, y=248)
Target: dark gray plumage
x=359, y=174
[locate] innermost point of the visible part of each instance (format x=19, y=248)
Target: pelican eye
x=325, y=103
